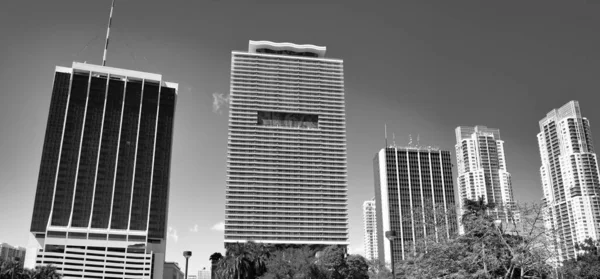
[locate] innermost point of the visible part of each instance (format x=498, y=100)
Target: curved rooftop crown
x=269, y=47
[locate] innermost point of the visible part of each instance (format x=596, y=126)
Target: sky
x=422, y=67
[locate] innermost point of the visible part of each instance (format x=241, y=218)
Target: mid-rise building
x=101, y=203
x=370, y=229
x=172, y=271
x=482, y=170
x=414, y=194
x=12, y=253
x=204, y=273
x=570, y=181
x=286, y=160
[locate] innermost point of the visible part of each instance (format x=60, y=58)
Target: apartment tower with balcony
x=101, y=203
x=570, y=181
x=370, y=229
x=482, y=170
x=286, y=160
x=414, y=194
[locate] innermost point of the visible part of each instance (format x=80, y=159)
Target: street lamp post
x=187, y=255
x=391, y=235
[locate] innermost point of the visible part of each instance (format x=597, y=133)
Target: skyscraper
x=482, y=169
x=570, y=180
x=414, y=193
x=370, y=227
x=101, y=203
x=286, y=167
x=11, y=253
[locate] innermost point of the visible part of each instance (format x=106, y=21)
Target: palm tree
x=45, y=272
x=258, y=254
x=14, y=270
x=10, y=269
x=232, y=266
x=214, y=260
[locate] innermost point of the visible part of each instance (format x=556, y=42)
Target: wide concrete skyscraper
x=414, y=193
x=286, y=161
x=370, y=229
x=102, y=196
x=482, y=169
x=570, y=179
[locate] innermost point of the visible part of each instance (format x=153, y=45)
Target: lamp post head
x=187, y=254
x=391, y=235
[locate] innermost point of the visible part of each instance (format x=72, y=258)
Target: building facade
x=570, y=181
x=370, y=229
x=482, y=170
x=204, y=273
x=101, y=203
x=172, y=271
x=12, y=253
x=414, y=193
x=286, y=161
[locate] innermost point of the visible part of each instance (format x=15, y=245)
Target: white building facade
x=204, y=273
x=286, y=161
x=482, y=169
x=570, y=181
x=370, y=230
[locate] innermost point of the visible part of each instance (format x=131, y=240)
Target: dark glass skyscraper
x=101, y=203
x=414, y=196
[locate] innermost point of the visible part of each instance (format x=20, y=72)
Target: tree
x=587, y=263
x=291, y=263
x=236, y=263
x=13, y=269
x=214, y=260
x=331, y=259
x=488, y=248
x=243, y=260
x=378, y=270
x=356, y=267
x=44, y=272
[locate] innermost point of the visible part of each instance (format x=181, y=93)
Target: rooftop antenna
x=112, y=6
x=417, y=140
x=409, y=140
x=385, y=125
x=394, y=138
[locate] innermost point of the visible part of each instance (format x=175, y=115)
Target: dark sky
x=422, y=67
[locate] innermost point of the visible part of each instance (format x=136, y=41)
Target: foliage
x=489, y=248
x=290, y=263
x=378, y=270
x=215, y=257
x=332, y=261
x=356, y=268
x=587, y=263
x=253, y=260
x=14, y=270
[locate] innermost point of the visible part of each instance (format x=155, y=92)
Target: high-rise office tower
x=414, y=193
x=570, y=180
x=286, y=161
x=102, y=197
x=482, y=170
x=370, y=227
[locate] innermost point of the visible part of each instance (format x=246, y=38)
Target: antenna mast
x=385, y=125
x=112, y=6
